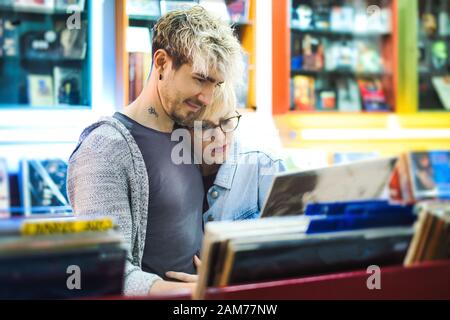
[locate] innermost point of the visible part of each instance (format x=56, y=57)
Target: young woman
x=236, y=179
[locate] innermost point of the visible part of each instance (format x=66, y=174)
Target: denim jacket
x=241, y=185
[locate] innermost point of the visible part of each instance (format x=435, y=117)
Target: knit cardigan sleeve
x=99, y=185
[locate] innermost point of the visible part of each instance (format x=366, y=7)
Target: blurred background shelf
x=131, y=78
x=340, y=34
x=339, y=73
x=45, y=62
x=418, y=119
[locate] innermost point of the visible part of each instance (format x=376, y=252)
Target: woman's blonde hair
x=194, y=36
x=224, y=103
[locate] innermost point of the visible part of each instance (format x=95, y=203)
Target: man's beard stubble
x=189, y=119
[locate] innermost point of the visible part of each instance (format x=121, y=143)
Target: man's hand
x=165, y=287
x=185, y=277
x=181, y=276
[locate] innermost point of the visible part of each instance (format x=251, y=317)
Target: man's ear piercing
x=160, y=77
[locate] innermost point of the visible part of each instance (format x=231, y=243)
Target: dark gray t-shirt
x=174, y=226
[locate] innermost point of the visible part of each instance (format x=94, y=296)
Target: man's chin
x=186, y=120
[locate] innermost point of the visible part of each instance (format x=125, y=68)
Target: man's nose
x=206, y=95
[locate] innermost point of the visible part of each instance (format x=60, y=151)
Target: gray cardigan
x=107, y=176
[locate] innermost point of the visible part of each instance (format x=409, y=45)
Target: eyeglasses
x=207, y=128
x=226, y=125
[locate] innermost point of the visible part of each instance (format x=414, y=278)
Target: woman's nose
x=219, y=136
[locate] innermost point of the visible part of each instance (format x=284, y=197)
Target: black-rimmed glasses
x=226, y=125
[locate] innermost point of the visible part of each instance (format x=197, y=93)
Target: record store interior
x=338, y=116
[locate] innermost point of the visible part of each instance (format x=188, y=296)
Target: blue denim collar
x=226, y=173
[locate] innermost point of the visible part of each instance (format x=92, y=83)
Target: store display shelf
x=143, y=18
x=346, y=34
x=425, y=281
x=339, y=73
x=428, y=280
x=31, y=11
x=365, y=120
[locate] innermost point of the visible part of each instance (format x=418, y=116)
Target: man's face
x=185, y=95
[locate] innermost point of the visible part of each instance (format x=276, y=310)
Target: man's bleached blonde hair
x=196, y=37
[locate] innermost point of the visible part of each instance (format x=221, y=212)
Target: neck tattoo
x=153, y=112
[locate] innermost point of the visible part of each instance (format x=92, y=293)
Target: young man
x=122, y=166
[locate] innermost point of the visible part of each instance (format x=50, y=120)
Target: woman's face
x=215, y=144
